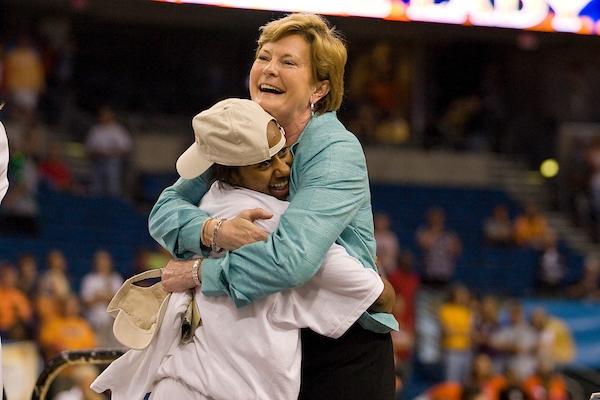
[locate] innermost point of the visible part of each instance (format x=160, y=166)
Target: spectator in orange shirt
x=546, y=383
x=67, y=331
x=484, y=379
x=531, y=228
x=15, y=309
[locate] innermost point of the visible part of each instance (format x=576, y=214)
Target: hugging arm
x=176, y=221
x=332, y=188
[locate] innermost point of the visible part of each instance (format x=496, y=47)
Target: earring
x=312, y=108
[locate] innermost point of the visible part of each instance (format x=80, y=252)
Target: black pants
x=357, y=366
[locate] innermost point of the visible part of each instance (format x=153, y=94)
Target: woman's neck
x=295, y=128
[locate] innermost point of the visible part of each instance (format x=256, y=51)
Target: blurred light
x=578, y=16
x=549, y=168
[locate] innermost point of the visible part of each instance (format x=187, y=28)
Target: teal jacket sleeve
x=331, y=186
x=175, y=220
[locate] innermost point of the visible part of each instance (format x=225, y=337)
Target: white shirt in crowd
x=253, y=351
x=3, y=162
x=3, y=189
x=108, y=140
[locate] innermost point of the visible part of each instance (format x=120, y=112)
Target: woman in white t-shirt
x=251, y=352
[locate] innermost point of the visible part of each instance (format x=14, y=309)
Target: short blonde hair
x=327, y=48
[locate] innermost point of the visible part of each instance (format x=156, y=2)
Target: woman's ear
x=321, y=91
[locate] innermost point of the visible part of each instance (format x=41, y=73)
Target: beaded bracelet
x=195, y=271
x=213, y=244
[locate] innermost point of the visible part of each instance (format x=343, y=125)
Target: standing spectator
x=15, y=309
x=555, y=342
x=20, y=208
x=588, y=287
x=97, y=290
x=406, y=283
x=456, y=323
x=485, y=326
x=517, y=343
x=24, y=76
x=28, y=281
x=551, y=266
x=498, y=229
x=440, y=248
x=388, y=248
x=531, y=228
x=54, y=170
x=108, y=143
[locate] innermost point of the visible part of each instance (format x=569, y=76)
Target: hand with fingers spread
x=236, y=232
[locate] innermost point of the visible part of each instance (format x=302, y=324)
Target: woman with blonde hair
x=297, y=77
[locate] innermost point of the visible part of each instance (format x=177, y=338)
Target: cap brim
x=280, y=145
x=131, y=335
x=192, y=163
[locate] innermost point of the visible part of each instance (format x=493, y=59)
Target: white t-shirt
x=94, y=284
x=254, y=352
x=108, y=139
x=3, y=162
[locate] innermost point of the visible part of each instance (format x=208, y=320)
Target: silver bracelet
x=213, y=244
x=196, y=272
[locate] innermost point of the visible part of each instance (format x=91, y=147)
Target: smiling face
x=282, y=82
x=271, y=176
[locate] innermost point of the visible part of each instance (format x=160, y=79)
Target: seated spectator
x=15, y=308
x=387, y=243
x=54, y=170
x=555, y=342
x=28, y=281
x=483, y=379
x=97, y=289
x=498, y=229
x=54, y=282
x=517, y=343
x=82, y=377
x=513, y=389
x=546, y=383
x=588, y=287
x=440, y=248
x=531, y=228
x=68, y=331
x=551, y=266
x=456, y=323
x=107, y=143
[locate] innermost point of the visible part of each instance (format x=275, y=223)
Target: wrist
x=213, y=240
x=207, y=228
x=196, y=272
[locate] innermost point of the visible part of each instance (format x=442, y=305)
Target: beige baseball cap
x=232, y=132
x=138, y=310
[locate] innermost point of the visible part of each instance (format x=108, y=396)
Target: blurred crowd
x=39, y=304
x=483, y=354
x=35, y=84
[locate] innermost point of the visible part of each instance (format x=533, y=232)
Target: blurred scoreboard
x=575, y=16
